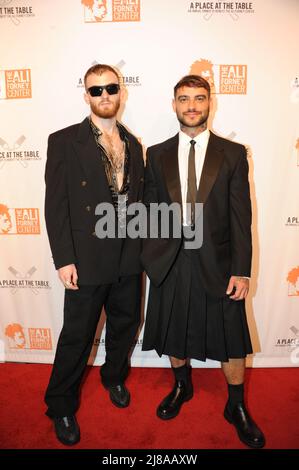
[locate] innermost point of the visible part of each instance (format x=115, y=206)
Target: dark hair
x=193, y=81
x=98, y=69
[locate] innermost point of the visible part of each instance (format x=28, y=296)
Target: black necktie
x=192, y=187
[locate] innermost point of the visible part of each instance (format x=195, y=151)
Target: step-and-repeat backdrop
x=249, y=53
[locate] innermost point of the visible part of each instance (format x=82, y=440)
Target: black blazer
x=75, y=184
x=224, y=191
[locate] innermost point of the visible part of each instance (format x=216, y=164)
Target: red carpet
x=272, y=397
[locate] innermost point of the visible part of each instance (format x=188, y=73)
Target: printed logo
x=225, y=79
x=15, y=84
x=100, y=11
x=15, y=13
x=290, y=344
x=292, y=222
x=5, y=220
x=28, y=338
x=233, y=9
x=233, y=79
x=125, y=80
x=287, y=342
x=16, y=336
x=23, y=280
x=293, y=282
x=20, y=221
x=12, y=153
x=40, y=338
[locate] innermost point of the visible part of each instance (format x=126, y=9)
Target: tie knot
x=192, y=142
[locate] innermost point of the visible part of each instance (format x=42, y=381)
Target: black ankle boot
x=182, y=391
x=248, y=432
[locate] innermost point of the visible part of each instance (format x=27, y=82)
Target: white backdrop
x=248, y=49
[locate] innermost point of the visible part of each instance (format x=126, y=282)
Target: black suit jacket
x=75, y=184
x=224, y=192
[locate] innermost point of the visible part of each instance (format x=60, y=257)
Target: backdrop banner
x=248, y=51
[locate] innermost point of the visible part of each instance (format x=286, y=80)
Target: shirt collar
x=201, y=139
x=97, y=132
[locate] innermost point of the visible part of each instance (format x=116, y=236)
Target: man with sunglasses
x=96, y=161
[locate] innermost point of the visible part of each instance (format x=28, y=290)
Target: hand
x=241, y=285
x=68, y=276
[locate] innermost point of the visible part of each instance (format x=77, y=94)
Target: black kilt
x=183, y=321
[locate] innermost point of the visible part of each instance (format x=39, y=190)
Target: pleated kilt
x=183, y=321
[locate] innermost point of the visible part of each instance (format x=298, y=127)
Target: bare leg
x=177, y=362
x=234, y=371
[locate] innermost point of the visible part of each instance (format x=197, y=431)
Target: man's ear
x=86, y=98
x=122, y=92
x=174, y=105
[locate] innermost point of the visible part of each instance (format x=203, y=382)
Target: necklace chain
x=115, y=153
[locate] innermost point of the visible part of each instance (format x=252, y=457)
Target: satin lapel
x=91, y=162
x=133, y=171
x=170, y=165
x=212, y=164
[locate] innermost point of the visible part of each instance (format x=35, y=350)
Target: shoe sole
x=118, y=405
x=166, y=418
x=67, y=443
x=252, y=445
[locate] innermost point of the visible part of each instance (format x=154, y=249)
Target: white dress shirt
x=202, y=141
x=183, y=156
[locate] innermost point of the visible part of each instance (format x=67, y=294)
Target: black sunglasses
x=112, y=89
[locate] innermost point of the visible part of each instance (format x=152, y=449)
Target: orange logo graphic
x=231, y=79
x=40, y=338
x=204, y=68
x=96, y=11
x=293, y=280
x=27, y=221
x=21, y=221
x=5, y=220
x=37, y=338
x=15, y=84
x=16, y=336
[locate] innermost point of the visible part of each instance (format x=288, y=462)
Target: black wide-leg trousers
x=82, y=310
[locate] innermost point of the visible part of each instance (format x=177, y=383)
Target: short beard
x=200, y=123
x=106, y=113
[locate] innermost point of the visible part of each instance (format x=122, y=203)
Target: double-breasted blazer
x=75, y=184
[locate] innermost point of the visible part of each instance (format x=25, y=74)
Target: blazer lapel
x=170, y=166
x=134, y=171
x=212, y=164
x=91, y=162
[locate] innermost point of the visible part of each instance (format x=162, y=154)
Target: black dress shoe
x=247, y=430
x=170, y=407
x=67, y=430
x=119, y=395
